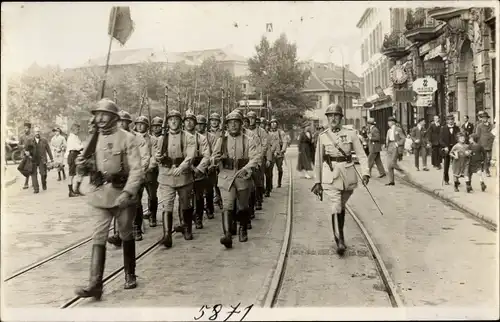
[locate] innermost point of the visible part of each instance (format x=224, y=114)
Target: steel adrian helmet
x=174, y=113
x=142, y=119
x=252, y=114
x=274, y=120
x=106, y=105
x=257, y=121
x=157, y=121
x=334, y=109
x=234, y=116
x=190, y=116
x=201, y=119
x=263, y=120
x=125, y=116
x=215, y=116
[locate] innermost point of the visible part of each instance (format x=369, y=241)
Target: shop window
x=358, y=124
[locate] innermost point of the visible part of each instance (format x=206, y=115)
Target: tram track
x=56, y=255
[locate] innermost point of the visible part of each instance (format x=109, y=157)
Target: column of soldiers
x=185, y=159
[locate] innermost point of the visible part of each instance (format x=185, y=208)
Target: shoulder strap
x=243, y=144
x=164, y=146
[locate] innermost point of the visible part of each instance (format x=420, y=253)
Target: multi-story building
x=325, y=83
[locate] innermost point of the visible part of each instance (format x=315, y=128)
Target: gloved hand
x=317, y=189
x=244, y=174
x=365, y=179
x=177, y=172
x=123, y=200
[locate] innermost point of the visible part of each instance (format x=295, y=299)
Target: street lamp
x=332, y=49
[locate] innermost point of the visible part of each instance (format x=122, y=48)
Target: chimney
x=347, y=66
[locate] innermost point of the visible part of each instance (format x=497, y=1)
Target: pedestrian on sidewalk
x=374, y=148
x=476, y=161
x=447, y=139
x=58, y=145
x=433, y=133
x=420, y=144
x=73, y=148
x=395, y=140
x=408, y=145
x=304, y=164
x=467, y=128
x=38, y=148
x=460, y=153
x=23, y=141
x=486, y=139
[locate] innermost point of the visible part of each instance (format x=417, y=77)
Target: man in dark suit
x=433, y=137
x=23, y=141
x=420, y=144
x=394, y=141
x=38, y=148
x=447, y=139
x=374, y=148
x=467, y=128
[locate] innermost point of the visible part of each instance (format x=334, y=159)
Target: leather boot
x=77, y=189
x=153, y=209
x=129, y=264
x=233, y=227
x=342, y=246
x=258, y=198
x=483, y=186
x=94, y=289
x=456, y=186
x=468, y=186
x=337, y=223
x=136, y=231
x=188, y=224
x=63, y=173
x=167, y=229
x=244, y=220
x=71, y=192
x=26, y=186
x=59, y=175
x=179, y=228
x=199, y=218
x=139, y=212
x=227, y=239
x=44, y=182
x=115, y=239
x=280, y=177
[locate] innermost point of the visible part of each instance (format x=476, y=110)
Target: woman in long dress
x=58, y=145
x=306, y=147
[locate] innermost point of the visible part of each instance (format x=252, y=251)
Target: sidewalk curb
x=439, y=193
x=11, y=181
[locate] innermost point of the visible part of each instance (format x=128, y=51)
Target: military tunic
x=116, y=153
x=278, y=145
x=343, y=179
x=180, y=151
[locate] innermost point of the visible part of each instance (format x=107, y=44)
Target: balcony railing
x=420, y=26
x=395, y=45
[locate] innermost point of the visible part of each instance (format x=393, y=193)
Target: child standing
x=476, y=161
x=408, y=145
x=460, y=153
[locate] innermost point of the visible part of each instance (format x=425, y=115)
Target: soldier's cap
x=334, y=109
x=57, y=129
x=391, y=119
x=106, y=105
x=142, y=119
x=27, y=124
x=252, y=114
x=370, y=120
x=174, y=113
x=157, y=121
x=234, y=116
x=201, y=119
x=485, y=114
x=215, y=116
x=450, y=117
x=125, y=116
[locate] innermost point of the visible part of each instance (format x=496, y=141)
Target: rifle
x=141, y=102
x=165, y=124
x=149, y=115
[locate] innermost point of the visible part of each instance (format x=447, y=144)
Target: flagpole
x=109, y=52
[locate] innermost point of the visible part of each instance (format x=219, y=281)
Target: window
x=320, y=102
x=363, y=53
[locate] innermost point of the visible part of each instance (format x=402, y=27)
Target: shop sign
x=424, y=100
x=423, y=86
x=434, y=67
x=398, y=75
x=404, y=95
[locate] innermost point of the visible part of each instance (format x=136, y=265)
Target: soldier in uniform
x=201, y=128
x=23, y=141
x=263, y=122
x=115, y=161
x=151, y=178
x=278, y=143
x=199, y=164
x=156, y=125
x=239, y=157
x=262, y=140
x=215, y=129
x=334, y=147
x=145, y=157
x=174, y=153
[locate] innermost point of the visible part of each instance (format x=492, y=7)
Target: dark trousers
x=374, y=159
x=420, y=151
x=279, y=165
x=42, y=168
x=269, y=177
x=202, y=189
x=487, y=161
x=446, y=168
x=151, y=188
x=436, y=156
x=211, y=187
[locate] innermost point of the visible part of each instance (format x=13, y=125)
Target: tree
x=275, y=71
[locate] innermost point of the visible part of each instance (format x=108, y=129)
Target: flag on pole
x=120, y=24
x=269, y=27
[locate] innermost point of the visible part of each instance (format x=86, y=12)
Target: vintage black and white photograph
x=249, y=161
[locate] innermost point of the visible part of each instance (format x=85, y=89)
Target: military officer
x=151, y=178
x=278, y=143
x=118, y=174
x=265, y=154
x=334, y=146
x=201, y=127
x=156, y=126
x=215, y=129
x=239, y=156
x=199, y=164
x=175, y=151
x=145, y=157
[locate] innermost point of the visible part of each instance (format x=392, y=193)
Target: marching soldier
x=278, y=145
x=262, y=140
x=263, y=122
x=239, y=157
x=151, y=182
x=174, y=153
x=156, y=125
x=199, y=164
x=145, y=157
x=115, y=162
x=201, y=127
x=246, y=121
x=334, y=147
x=216, y=130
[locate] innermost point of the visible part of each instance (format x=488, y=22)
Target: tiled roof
x=320, y=74
x=323, y=71
x=315, y=84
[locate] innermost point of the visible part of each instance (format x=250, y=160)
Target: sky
x=69, y=34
